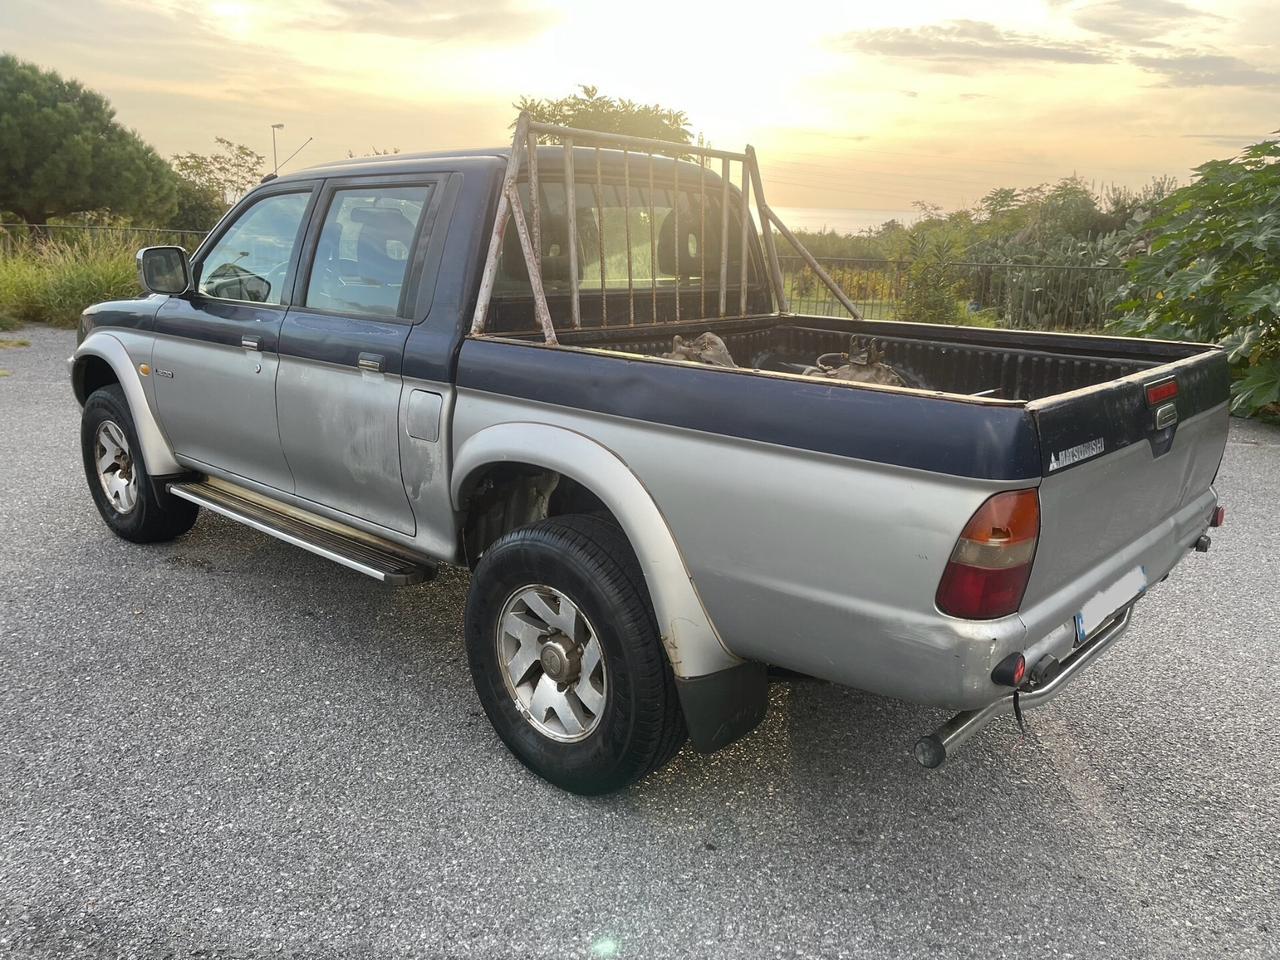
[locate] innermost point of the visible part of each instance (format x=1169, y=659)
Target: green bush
x=932, y=285
x=53, y=281
x=1211, y=270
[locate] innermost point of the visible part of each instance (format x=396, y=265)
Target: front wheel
x=118, y=481
x=565, y=655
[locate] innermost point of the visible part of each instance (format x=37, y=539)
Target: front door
x=216, y=350
x=342, y=346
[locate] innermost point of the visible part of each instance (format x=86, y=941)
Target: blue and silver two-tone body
x=780, y=519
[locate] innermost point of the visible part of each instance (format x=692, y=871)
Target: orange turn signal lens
x=991, y=562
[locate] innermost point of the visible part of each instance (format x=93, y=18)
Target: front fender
x=691, y=641
x=157, y=455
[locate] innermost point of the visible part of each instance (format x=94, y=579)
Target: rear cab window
x=638, y=242
x=364, y=250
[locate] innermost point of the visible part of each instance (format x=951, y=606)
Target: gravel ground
x=226, y=747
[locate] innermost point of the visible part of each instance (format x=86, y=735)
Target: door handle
x=371, y=361
x=251, y=343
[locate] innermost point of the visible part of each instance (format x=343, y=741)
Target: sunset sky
x=851, y=105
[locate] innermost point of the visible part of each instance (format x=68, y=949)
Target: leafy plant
x=930, y=292
x=589, y=110
x=229, y=173
x=1211, y=269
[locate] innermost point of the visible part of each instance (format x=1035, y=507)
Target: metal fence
x=1023, y=295
x=17, y=237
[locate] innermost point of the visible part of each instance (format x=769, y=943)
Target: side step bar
x=933, y=749
x=350, y=550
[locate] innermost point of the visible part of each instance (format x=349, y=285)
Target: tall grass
x=52, y=281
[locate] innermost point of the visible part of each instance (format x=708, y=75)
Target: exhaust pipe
x=933, y=749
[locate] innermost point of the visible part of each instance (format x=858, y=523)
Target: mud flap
x=725, y=706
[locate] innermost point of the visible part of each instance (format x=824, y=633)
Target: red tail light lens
x=1161, y=390
x=991, y=563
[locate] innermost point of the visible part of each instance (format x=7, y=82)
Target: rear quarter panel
x=815, y=520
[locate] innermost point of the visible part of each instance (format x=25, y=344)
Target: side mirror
x=164, y=270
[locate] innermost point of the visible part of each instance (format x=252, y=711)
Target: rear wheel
x=565, y=655
x=118, y=480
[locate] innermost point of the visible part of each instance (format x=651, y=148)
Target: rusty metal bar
x=702, y=236
x=724, y=235
x=626, y=226
x=775, y=268
x=529, y=226
x=676, y=235
x=535, y=200
x=571, y=215
x=746, y=249
x=604, y=293
x=653, y=248
x=499, y=228
x=813, y=264
x=535, y=278
x=666, y=148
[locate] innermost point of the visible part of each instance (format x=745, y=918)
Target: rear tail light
x=991, y=563
x=1219, y=516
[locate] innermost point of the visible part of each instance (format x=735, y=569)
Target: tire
x=133, y=509
x=634, y=725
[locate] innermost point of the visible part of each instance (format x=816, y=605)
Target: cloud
x=965, y=44
x=442, y=20
x=1224, y=139
x=1207, y=70
x=1137, y=21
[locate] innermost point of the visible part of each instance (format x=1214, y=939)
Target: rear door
x=342, y=345
x=1128, y=472
x=215, y=354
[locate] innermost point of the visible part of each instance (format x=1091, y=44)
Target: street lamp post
x=275, y=165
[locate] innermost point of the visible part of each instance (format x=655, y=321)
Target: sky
x=852, y=106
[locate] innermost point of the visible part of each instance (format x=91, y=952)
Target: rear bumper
x=933, y=749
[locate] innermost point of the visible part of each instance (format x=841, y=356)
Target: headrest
x=555, y=254
x=392, y=223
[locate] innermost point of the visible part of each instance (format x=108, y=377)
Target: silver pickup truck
x=570, y=366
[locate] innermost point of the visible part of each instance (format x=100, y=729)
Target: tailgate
x=1128, y=483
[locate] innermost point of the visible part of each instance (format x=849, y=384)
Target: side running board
x=351, y=549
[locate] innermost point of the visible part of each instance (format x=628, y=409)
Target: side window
x=362, y=256
x=611, y=223
x=251, y=260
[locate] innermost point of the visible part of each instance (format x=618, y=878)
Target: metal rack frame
x=524, y=149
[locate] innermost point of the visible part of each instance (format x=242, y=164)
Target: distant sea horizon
x=840, y=220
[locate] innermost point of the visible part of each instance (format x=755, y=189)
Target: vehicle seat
x=382, y=245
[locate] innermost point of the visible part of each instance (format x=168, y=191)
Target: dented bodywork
x=792, y=486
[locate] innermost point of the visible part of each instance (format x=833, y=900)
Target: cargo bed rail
x=524, y=152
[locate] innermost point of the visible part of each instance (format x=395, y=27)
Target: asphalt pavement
x=227, y=747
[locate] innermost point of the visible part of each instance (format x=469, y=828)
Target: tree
x=199, y=206
x=1209, y=271
x=230, y=173
x=62, y=152
x=588, y=110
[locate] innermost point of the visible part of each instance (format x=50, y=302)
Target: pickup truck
x=570, y=366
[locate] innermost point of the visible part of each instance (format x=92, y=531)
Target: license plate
x=1099, y=609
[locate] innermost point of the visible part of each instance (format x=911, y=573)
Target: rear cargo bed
x=999, y=364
